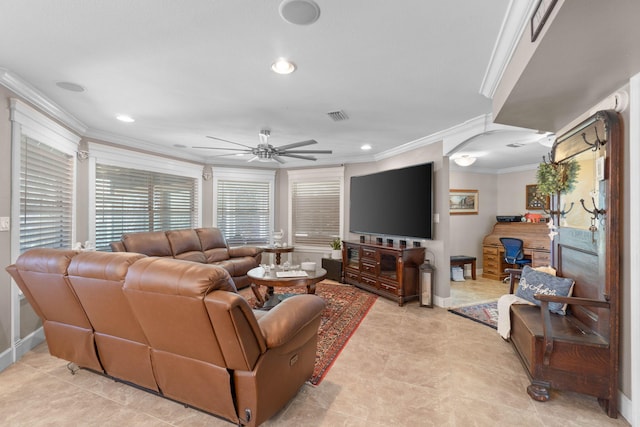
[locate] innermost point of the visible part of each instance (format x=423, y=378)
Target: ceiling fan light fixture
x=465, y=160
x=283, y=66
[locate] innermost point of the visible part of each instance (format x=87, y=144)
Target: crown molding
x=29, y=93
x=515, y=22
x=451, y=137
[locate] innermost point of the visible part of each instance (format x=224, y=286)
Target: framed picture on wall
x=463, y=202
x=540, y=16
x=534, y=200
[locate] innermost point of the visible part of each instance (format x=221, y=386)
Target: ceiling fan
x=266, y=152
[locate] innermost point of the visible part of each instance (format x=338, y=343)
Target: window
x=316, y=206
x=43, y=201
x=244, y=205
x=131, y=200
x=135, y=192
x=46, y=196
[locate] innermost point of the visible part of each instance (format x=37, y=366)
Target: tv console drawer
x=369, y=281
x=368, y=253
x=368, y=268
x=388, y=287
x=352, y=275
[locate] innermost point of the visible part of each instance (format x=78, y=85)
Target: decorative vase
x=336, y=253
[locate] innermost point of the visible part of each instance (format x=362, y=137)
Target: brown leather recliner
x=206, y=347
x=97, y=279
x=202, y=245
x=41, y=275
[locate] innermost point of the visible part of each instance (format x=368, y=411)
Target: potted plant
x=557, y=177
x=336, y=248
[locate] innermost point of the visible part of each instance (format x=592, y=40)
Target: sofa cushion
x=537, y=282
x=151, y=243
x=186, y=245
x=213, y=244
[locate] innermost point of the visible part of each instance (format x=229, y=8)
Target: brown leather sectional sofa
x=175, y=328
x=203, y=245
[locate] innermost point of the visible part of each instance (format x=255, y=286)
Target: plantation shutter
x=243, y=211
x=46, y=196
x=132, y=200
x=315, y=212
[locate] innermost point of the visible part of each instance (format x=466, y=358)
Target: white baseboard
x=29, y=342
x=23, y=346
x=6, y=359
x=441, y=302
x=625, y=407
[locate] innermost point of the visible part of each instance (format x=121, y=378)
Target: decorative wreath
x=557, y=177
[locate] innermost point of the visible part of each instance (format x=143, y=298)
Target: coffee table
x=259, y=277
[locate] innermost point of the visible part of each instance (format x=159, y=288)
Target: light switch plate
x=4, y=223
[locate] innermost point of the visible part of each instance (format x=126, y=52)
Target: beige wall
x=512, y=192
x=467, y=231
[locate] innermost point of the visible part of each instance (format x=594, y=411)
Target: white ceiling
x=401, y=70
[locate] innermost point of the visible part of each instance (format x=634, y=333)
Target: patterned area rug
x=485, y=313
x=346, y=307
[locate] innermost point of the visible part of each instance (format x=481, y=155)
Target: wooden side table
x=278, y=251
x=333, y=267
x=461, y=260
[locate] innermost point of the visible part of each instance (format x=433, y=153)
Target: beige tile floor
x=404, y=366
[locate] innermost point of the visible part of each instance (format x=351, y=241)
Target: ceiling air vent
x=338, y=116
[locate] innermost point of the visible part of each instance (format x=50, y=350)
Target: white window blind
x=46, y=196
x=243, y=211
x=131, y=200
x=315, y=212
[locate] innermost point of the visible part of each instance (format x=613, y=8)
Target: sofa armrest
x=241, y=251
x=291, y=317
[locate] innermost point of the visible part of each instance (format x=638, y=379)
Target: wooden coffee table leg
x=256, y=292
x=311, y=288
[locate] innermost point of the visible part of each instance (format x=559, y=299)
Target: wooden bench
x=462, y=260
x=580, y=351
x=564, y=352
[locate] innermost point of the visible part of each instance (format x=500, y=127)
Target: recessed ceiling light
x=283, y=66
x=125, y=118
x=366, y=147
x=299, y=12
x=73, y=87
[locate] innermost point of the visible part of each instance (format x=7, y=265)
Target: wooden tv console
x=389, y=271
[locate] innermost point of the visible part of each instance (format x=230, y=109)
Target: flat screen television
x=396, y=202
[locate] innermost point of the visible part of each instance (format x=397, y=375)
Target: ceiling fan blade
x=307, y=152
x=297, y=144
x=254, y=158
x=228, y=149
x=230, y=154
x=225, y=140
x=277, y=159
x=297, y=156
